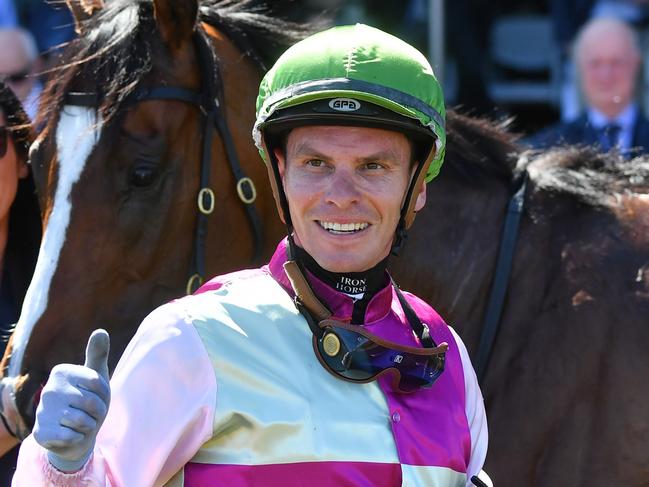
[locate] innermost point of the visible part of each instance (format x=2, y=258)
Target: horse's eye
x=143, y=175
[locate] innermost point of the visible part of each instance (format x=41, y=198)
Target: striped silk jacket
x=223, y=388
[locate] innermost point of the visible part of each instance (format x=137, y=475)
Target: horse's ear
x=82, y=10
x=176, y=20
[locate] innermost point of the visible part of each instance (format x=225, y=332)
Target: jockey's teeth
x=343, y=227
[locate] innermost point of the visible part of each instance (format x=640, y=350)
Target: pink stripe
x=443, y=438
x=307, y=474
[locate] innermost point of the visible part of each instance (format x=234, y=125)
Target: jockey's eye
x=373, y=165
x=315, y=163
x=143, y=175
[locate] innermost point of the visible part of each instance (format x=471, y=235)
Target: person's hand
x=73, y=406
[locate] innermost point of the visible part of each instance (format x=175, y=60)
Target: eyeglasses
x=351, y=353
x=4, y=141
x=18, y=77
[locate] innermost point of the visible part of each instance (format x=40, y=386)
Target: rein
x=209, y=101
x=501, y=277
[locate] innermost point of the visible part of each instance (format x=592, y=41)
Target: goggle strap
x=317, y=332
x=330, y=324
x=304, y=293
x=422, y=331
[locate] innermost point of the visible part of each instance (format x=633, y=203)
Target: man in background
x=19, y=67
x=608, y=61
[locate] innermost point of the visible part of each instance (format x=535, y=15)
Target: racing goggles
x=351, y=353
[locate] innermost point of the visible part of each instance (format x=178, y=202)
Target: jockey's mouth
x=343, y=228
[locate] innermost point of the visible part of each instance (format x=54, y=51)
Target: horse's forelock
x=105, y=59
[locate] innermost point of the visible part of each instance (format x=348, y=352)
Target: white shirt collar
x=625, y=119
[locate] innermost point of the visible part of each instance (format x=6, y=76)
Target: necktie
x=608, y=136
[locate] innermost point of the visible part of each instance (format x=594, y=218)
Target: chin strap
x=400, y=237
x=408, y=212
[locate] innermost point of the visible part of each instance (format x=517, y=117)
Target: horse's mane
x=593, y=177
x=116, y=47
x=479, y=148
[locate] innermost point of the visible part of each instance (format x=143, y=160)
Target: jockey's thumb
x=97, y=353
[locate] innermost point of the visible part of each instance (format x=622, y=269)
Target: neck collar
x=343, y=307
x=356, y=285
x=624, y=119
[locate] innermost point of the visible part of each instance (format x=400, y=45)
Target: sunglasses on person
x=18, y=77
x=353, y=354
x=4, y=140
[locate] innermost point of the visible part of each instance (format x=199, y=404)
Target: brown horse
x=118, y=167
x=565, y=387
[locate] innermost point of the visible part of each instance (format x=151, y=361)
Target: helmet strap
x=408, y=212
x=400, y=237
x=278, y=187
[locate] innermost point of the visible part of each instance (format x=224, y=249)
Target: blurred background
x=502, y=58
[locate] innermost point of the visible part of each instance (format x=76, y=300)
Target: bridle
x=501, y=277
x=210, y=102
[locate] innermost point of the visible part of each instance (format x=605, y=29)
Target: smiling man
x=315, y=368
x=346, y=186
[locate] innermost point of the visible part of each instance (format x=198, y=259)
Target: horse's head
x=132, y=126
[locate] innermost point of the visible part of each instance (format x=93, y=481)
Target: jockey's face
x=345, y=187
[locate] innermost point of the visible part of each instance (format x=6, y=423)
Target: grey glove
x=73, y=406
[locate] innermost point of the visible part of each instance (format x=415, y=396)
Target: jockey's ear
x=82, y=10
x=175, y=20
x=421, y=196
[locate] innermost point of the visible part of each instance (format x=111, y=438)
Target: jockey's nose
x=342, y=190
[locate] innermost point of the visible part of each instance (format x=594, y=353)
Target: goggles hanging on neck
x=351, y=353
x=355, y=355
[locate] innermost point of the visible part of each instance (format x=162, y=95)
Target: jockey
x=315, y=368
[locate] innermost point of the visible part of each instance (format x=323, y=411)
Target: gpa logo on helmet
x=345, y=104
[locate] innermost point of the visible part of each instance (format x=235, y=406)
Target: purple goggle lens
x=351, y=353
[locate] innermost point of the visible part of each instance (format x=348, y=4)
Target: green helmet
x=354, y=75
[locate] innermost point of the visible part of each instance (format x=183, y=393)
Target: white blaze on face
x=76, y=135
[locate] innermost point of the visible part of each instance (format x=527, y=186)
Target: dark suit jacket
x=581, y=132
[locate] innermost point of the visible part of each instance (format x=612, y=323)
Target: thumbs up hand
x=73, y=406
